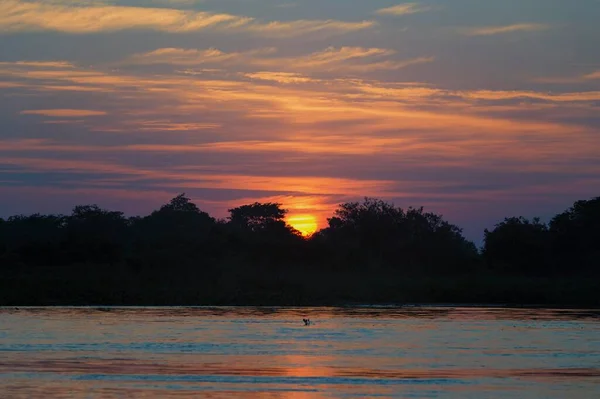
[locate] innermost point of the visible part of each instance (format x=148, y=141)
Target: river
x=256, y=352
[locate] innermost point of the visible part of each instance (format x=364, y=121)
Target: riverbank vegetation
x=370, y=252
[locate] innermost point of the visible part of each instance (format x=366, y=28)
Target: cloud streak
x=23, y=16
x=505, y=29
x=64, y=113
x=342, y=59
x=592, y=76
x=403, y=9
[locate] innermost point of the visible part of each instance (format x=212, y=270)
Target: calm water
x=269, y=353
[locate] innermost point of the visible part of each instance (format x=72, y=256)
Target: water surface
x=410, y=352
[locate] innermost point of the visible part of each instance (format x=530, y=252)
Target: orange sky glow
x=474, y=110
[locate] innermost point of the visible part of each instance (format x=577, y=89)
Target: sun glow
x=305, y=224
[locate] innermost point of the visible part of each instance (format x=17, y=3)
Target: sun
x=305, y=224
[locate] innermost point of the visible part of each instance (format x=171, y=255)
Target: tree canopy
x=258, y=217
x=368, y=251
x=390, y=236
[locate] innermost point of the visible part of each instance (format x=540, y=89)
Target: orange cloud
x=280, y=77
x=39, y=64
x=166, y=126
x=180, y=56
x=334, y=55
x=402, y=9
x=496, y=30
x=73, y=88
x=294, y=28
x=63, y=113
x=387, y=65
x=64, y=121
x=305, y=144
x=18, y=15
x=507, y=95
x=592, y=76
x=10, y=85
x=85, y=18
x=568, y=80
x=342, y=59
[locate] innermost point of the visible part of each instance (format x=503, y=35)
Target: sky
x=476, y=110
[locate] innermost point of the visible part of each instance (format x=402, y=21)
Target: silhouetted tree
x=177, y=233
x=94, y=234
x=178, y=225
x=518, y=245
x=576, y=236
x=3, y=235
x=375, y=233
x=34, y=239
x=359, y=233
x=258, y=217
x=435, y=244
x=181, y=216
x=371, y=251
x=182, y=204
x=260, y=233
x=262, y=221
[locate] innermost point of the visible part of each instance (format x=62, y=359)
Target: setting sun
x=305, y=224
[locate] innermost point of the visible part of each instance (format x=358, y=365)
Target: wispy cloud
x=302, y=27
x=403, y=9
x=592, y=76
x=10, y=85
x=181, y=56
x=177, y=2
x=63, y=121
x=497, y=30
x=280, y=77
x=387, y=65
x=552, y=97
x=64, y=113
x=333, y=55
x=341, y=59
x=19, y=16
x=585, y=78
x=39, y=64
x=169, y=126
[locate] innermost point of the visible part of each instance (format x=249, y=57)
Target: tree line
x=370, y=252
